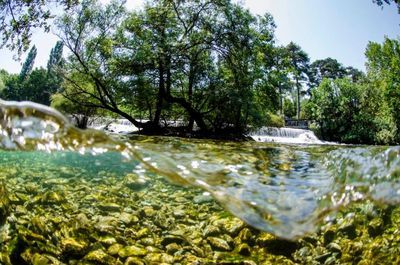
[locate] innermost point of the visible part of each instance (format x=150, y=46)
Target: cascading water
x=286, y=135
x=121, y=126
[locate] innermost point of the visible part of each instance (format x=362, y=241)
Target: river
x=83, y=197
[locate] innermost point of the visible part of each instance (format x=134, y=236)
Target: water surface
x=286, y=190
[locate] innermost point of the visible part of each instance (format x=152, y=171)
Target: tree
x=326, y=68
x=383, y=71
x=4, y=76
x=334, y=105
x=279, y=76
x=202, y=61
x=382, y=2
x=299, y=67
x=56, y=57
x=18, y=18
x=28, y=64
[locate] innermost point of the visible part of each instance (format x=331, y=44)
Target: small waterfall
x=112, y=125
x=285, y=135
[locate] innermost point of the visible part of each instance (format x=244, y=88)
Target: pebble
x=219, y=244
x=131, y=251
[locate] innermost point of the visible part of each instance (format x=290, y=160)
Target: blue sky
x=340, y=29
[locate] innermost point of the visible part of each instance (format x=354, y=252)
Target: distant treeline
x=211, y=63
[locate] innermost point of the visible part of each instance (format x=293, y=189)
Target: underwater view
x=69, y=196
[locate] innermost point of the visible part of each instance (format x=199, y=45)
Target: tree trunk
x=161, y=93
x=190, y=95
x=298, y=98
x=280, y=100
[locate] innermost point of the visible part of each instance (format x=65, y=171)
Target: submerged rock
x=73, y=247
x=203, y=198
x=4, y=203
x=99, y=257
x=219, y=243
x=109, y=207
x=135, y=182
x=129, y=251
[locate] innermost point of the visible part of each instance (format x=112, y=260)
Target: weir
x=286, y=135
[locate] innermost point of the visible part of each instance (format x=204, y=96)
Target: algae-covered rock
x=219, y=243
x=99, y=257
x=73, y=247
x=109, y=207
x=133, y=261
x=203, y=198
x=172, y=248
x=52, y=197
x=135, y=182
x=129, y=251
x=244, y=249
x=114, y=249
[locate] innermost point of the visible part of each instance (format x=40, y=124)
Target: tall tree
x=19, y=17
x=56, y=57
x=299, y=67
x=383, y=71
x=325, y=68
x=28, y=64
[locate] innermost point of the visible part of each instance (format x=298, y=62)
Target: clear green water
x=54, y=177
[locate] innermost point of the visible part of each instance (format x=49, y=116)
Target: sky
x=340, y=29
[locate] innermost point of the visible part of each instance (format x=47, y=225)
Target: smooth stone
x=72, y=246
x=132, y=251
x=244, y=249
x=172, y=248
x=38, y=259
x=133, y=261
x=142, y=232
x=245, y=235
x=153, y=258
x=179, y=213
x=148, y=211
x=108, y=240
x=202, y=199
x=99, y=256
x=126, y=218
x=333, y=247
x=219, y=244
x=51, y=197
x=211, y=230
x=114, y=249
x=134, y=182
x=231, y=225
x=109, y=207
x=166, y=258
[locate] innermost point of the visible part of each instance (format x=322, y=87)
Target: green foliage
x=275, y=120
x=35, y=85
x=334, y=105
x=4, y=75
x=384, y=75
x=326, y=68
x=201, y=61
x=359, y=108
x=299, y=68
x=289, y=108
x=18, y=18
x=56, y=57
